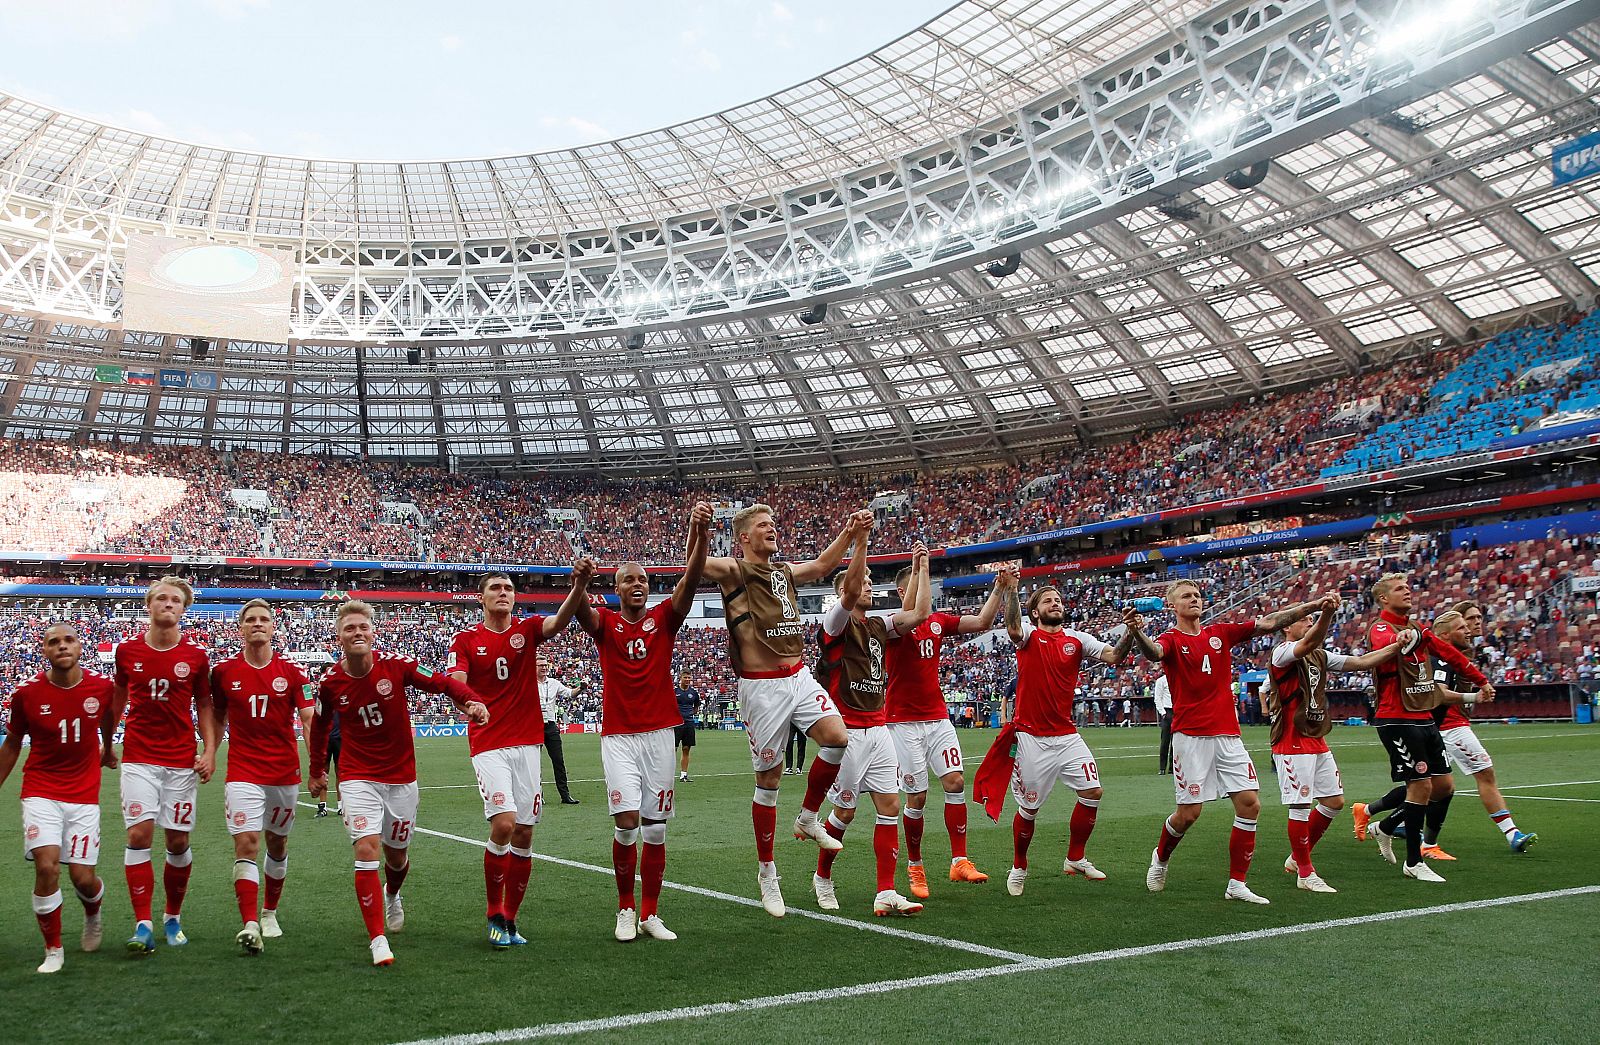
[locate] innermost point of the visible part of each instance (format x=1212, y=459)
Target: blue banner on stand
x=1576, y=159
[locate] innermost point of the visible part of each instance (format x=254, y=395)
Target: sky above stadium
x=409, y=80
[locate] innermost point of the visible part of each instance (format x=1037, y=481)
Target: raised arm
x=918, y=604
x=576, y=604
x=983, y=620
x=1012, y=599
x=694, y=560
x=854, y=589
x=1313, y=639
x=1280, y=619
x=1368, y=661
x=1116, y=654
x=1148, y=647
x=1458, y=660
x=830, y=557
x=460, y=694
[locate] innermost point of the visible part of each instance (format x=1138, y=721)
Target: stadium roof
x=633, y=305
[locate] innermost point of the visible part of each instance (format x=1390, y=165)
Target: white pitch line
x=1559, y=783
x=1547, y=798
x=615, y=1023
x=745, y=901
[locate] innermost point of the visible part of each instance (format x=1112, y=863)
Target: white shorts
x=638, y=769
x=254, y=807
x=72, y=826
x=1204, y=768
x=1302, y=778
x=923, y=746
x=1042, y=761
x=508, y=780
x=1463, y=748
x=386, y=810
x=159, y=793
x=771, y=706
x=869, y=767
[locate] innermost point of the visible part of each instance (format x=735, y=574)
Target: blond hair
x=252, y=604
x=1172, y=589
x=1386, y=583
x=742, y=517
x=350, y=607
x=1448, y=619
x=171, y=580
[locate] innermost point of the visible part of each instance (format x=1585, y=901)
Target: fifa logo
x=780, y=591
x=875, y=652
x=1314, y=675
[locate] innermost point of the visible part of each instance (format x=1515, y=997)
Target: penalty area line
x=640, y=1019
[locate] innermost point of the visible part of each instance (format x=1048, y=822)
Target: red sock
x=821, y=777
x=624, y=860
x=175, y=884
x=1319, y=823
x=274, y=893
x=653, y=868
x=886, y=847
x=369, y=893
x=955, y=821
x=1300, y=845
x=50, y=924
x=1167, y=842
x=249, y=896
x=395, y=877
x=141, y=888
x=914, y=837
x=521, y=869
x=1241, y=848
x=1021, y=838
x=1083, y=817
x=826, y=857
x=765, y=819
x=496, y=869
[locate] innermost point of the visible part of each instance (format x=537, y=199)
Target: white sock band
x=1244, y=825
x=831, y=755
x=497, y=850
x=246, y=871
x=183, y=859
x=522, y=854
x=46, y=904
x=913, y=813
x=654, y=834
x=366, y=865
x=1300, y=813
x=955, y=798
x=835, y=823
x=273, y=867
x=888, y=821
x=1331, y=814
x=626, y=835
x=766, y=796
x=135, y=857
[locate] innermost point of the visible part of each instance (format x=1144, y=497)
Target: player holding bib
x=639, y=720
x=258, y=694
x=60, y=712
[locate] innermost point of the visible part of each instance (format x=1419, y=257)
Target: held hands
x=205, y=765
x=108, y=759
x=1486, y=694
x=318, y=786
x=476, y=713
x=700, y=515
x=919, y=555
x=582, y=572
x=1007, y=577
x=1329, y=602
x=860, y=522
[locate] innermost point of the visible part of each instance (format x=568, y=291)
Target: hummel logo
x=765, y=838
x=138, y=665
x=236, y=686
x=366, y=901
x=44, y=709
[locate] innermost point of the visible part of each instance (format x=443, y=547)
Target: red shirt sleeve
x=1166, y=642
x=421, y=678
x=119, y=674
x=1454, y=657
x=456, y=659
x=219, y=694
x=304, y=698
x=19, y=718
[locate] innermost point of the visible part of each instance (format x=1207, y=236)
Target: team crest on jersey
x=280, y=685
x=1422, y=767
x=616, y=798
x=767, y=754
x=648, y=625
x=134, y=809
x=1305, y=791
x=33, y=831
x=910, y=781
x=238, y=819
x=1194, y=789
x=385, y=687
x=936, y=628
x=498, y=798
x=1068, y=648
x=847, y=796
x=181, y=669
x=1216, y=642
x=359, y=823
x=518, y=641
x=91, y=706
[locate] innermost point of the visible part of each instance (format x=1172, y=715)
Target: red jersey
x=1386, y=676
x=914, y=691
x=501, y=668
x=636, y=670
x=165, y=688
x=1199, y=670
x=1285, y=672
x=261, y=705
x=1048, y=666
x=374, y=718
x=63, y=726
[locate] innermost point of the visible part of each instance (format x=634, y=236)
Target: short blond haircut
x=171, y=580
x=1385, y=583
x=1448, y=619
x=742, y=517
x=252, y=604
x=350, y=607
x=1172, y=589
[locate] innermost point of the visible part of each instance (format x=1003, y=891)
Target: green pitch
x=1525, y=970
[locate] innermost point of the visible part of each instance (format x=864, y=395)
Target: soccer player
x=853, y=666
x=1460, y=626
x=368, y=690
x=639, y=716
x=765, y=640
x=497, y=660
x=920, y=726
x=1209, y=759
x=689, y=711
x=1050, y=660
x=1411, y=737
x=1297, y=705
x=257, y=695
x=163, y=679
x=59, y=712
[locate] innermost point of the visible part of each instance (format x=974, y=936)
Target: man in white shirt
x=550, y=691
x=1163, y=698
